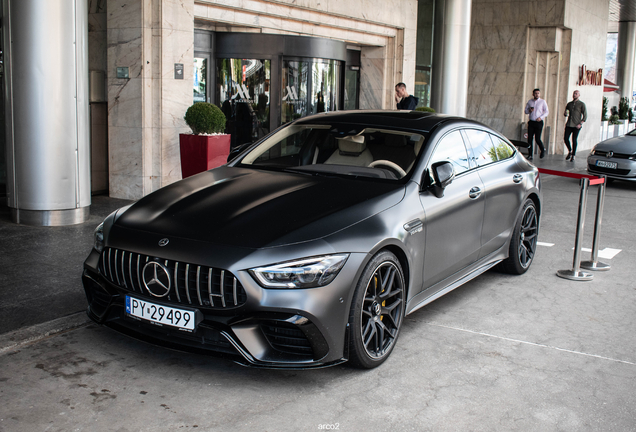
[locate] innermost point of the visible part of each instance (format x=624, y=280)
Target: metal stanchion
x=594, y=264
x=576, y=273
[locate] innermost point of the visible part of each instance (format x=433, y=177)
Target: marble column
x=625, y=58
x=46, y=111
x=449, y=81
x=146, y=102
x=372, y=77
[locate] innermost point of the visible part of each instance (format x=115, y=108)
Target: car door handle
x=517, y=178
x=474, y=192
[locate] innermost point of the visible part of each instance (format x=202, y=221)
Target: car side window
x=484, y=151
x=503, y=150
x=452, y=149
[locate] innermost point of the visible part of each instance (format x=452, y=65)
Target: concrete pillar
x=451, y=41
x=46, y=106
x=625, y=58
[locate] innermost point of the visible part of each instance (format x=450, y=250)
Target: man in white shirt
x=537, y=108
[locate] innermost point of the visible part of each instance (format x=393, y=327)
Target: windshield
x=339, y=149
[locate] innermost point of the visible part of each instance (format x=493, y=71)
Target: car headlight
x=305, y=273
x=593, y=151
x=98, y=235
x=632, y=157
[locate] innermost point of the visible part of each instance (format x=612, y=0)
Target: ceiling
x=621, y=10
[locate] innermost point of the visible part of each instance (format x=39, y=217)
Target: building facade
x=517, y=46
x=149, y=60
x=145, y=110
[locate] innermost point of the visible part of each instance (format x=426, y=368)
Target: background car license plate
x=604, y=164
x=180, y=318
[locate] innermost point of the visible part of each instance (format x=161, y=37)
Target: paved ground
x=535, y=353
x=40, y=267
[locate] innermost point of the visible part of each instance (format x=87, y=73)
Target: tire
x=523, y=244
x=377, y=311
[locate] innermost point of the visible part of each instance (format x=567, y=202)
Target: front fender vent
x=191, y=284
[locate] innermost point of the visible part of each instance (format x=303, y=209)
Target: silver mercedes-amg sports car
x=310, y=246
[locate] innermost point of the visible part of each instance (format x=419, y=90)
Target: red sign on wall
x=587, y=77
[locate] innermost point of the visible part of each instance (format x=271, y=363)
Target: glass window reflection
x=243, y=93
x=352, y=82
x=200, y=79
x=452, y=149
x=294, y=89
x=309, y=87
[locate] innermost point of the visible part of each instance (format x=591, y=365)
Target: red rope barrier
x=594, y=180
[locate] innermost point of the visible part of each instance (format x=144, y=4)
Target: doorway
x=261, y=81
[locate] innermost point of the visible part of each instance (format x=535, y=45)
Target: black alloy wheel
x=523, y=245
x=377, y=311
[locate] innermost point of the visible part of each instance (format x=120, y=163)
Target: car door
x=503, y=183
x=453, y=221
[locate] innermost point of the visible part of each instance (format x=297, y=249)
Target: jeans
x=575, y=134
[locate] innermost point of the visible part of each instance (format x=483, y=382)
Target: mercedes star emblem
x=163, y=242
x=156, y=279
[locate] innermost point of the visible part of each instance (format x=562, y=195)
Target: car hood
x=257, y=208
x=623, y=144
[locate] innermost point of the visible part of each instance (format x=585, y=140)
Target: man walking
x=403, y=99
x=537, y=108
x=576, y=113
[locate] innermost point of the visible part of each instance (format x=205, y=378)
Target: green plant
x=425, y=109
x=623, y=109
x=614, y=119
x=604, y=112
x=502, y=151
x=205, y=118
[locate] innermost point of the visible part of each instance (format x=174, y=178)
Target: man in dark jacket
x=403, y=99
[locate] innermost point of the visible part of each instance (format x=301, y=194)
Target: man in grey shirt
x=576, y=113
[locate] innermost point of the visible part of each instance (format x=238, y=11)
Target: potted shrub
x=614, y=126
x=604, y=120
x=425, y=109
x=207, y=147
x=623, y=112
x=623, y=109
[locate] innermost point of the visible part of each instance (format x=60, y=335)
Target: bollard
x=576, y=273
x=594, y=264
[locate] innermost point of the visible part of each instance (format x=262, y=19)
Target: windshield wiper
x=312, y=172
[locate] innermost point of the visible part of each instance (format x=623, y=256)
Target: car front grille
x=191, y=284
x=614, y=155
x=604, y=170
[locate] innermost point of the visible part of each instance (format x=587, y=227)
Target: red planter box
x=201, y=152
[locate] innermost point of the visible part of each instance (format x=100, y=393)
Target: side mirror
x=442, y=174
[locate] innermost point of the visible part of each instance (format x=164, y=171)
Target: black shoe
x=542, y=154
x=572, y=158
x=568, y=156
x=529, y=158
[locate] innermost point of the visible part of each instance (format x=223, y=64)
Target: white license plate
x=604, y=164
x=148, y=311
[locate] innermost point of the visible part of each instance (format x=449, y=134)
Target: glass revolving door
x=243, y=92
x=310, y=86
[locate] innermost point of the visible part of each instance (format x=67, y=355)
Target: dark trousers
x=575, y=135
x=534, y=130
